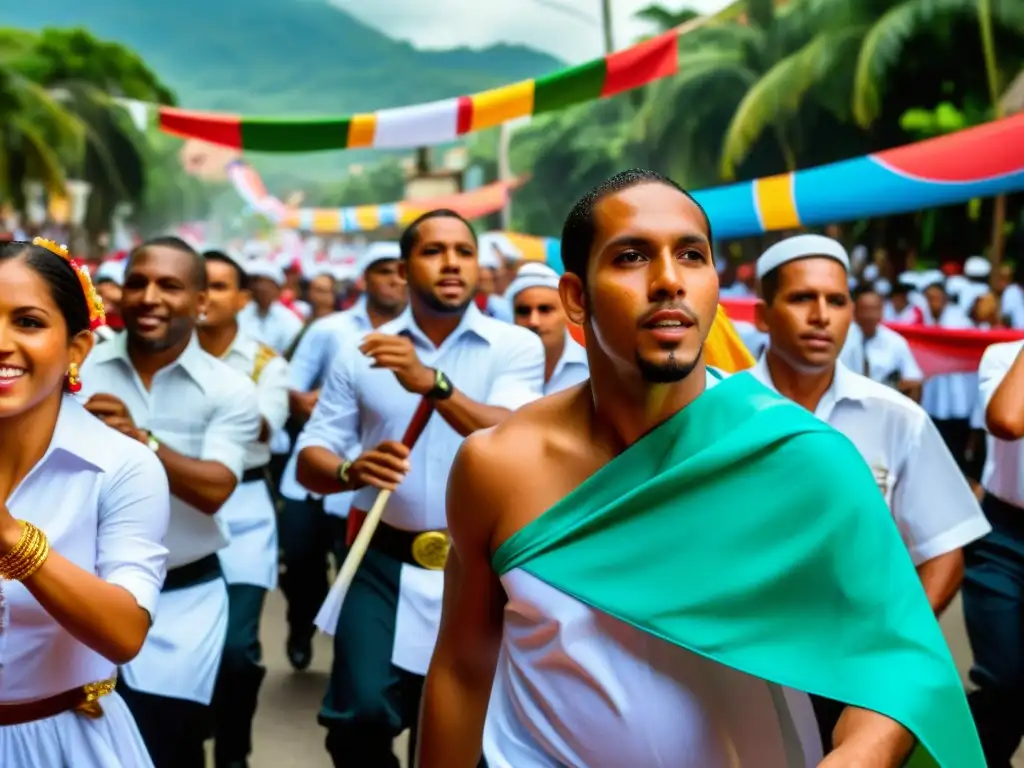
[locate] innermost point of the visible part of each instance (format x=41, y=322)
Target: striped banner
x=984, y=161
x=436, y=122
x=362, y=218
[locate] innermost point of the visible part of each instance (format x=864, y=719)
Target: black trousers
x=993, y=597
x=240, y=675
x=369, y=701
x=955, y=434
x=307, y=535
x=173, y=729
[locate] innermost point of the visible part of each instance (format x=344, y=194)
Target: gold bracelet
x=28, y=555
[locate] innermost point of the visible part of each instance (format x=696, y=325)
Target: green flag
x=747, y=531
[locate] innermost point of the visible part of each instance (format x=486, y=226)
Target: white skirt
x=70, y=740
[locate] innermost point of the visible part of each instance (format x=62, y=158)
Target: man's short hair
x=411, y=235
x=222, y=258
x=578, y=231
x=197, y=269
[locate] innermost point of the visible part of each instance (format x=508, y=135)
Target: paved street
x=287, y=735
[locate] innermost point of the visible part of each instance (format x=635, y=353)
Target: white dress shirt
x=251, y=554
x=572, y=367
x=489, y=361
x=202, y=408
x=889, y=358
x=1011, y=305
x=951, y=395
x=198, y=406
x=309, y=366
x=277, y=329
x=933, y=506
x=103, y=502
x=1003, y=475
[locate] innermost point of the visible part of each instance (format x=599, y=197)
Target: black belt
x=200, y=571
x=256, y=474
x=424, y=549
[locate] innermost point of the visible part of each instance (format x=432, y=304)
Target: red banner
x=937, y=350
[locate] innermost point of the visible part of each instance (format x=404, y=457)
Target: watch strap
x=443, y=388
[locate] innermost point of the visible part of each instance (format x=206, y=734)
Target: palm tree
x=86, y=75
x=844, y=64
x=34, y=128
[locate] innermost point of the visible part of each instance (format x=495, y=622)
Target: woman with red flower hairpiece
x=83, y=512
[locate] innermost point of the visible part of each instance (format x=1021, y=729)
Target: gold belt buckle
x=430, y=550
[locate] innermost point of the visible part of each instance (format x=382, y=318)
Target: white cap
x=382, y=251
x=264, y=269
x=883, y=286
x=977, y=267
x=912, y=279
x=801, y=247
x=488, y=257
x=871, y=272
x=531, y=275
x=956, y=283
x=931, y=277
x=112, y=271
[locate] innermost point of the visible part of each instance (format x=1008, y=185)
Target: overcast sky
x=573, y=34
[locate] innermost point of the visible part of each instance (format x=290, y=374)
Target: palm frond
x=884, y=43
x=777, y=96
x=42, y=160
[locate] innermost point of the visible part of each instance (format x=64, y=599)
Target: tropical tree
x=35, y=130
x=87, y=76
x=847, y=55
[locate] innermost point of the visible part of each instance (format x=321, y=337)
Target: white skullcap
x=871, y=272
x=382, y=251
x=487, y=256
x=911, y=279
x=931, y=277
x=883, y=287
x=264, y=269
x=112, y=271
x=977, y=267
x=496, y=241
x=532, y=276
x=801, y=247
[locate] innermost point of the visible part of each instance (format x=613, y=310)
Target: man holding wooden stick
x=476, y=371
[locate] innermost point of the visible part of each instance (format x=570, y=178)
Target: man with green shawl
x=657, y=567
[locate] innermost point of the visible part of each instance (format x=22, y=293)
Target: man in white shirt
x=387, y=628
x=993, y=591
x=949, y=398
x=878, y=352
x=536, y=305
x=154, y=383
x=265, y=318
x=806, y=310
x=307, y=535
x=249, y=561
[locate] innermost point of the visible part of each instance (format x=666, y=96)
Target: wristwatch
x=152, y=442
x=443, y=388
x=343, y=471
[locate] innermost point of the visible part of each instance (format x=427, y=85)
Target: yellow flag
x=724, y=349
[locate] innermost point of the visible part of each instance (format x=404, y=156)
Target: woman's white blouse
x=103, y=501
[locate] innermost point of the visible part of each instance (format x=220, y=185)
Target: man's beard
x=437, y=305
x=668, y=372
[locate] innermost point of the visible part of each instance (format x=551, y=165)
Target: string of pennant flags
x=983, y=161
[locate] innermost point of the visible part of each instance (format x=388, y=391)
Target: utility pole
x=606, y=25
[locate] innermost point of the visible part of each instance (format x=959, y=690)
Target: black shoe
x=300, y=652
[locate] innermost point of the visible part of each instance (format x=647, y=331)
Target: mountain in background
x=281, y=56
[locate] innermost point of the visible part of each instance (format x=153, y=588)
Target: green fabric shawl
x=747, y=531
